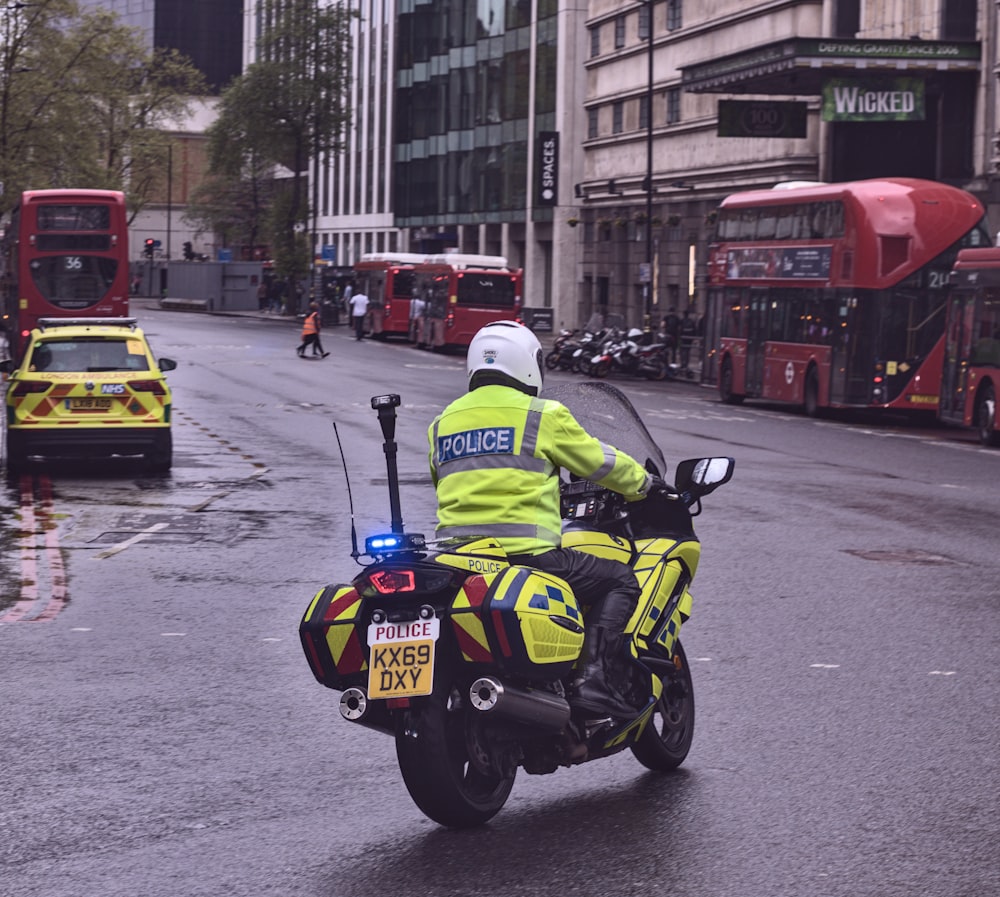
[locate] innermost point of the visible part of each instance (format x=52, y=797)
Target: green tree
x=82, y=102
x=288, y=109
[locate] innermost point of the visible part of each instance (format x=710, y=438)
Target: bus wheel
x=810, y=402
x=986, y=417
x=726, y=385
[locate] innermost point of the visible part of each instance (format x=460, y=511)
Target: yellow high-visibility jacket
x=495, y=455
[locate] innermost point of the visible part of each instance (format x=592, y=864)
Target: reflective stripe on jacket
x=311, y=324
x=495, y=455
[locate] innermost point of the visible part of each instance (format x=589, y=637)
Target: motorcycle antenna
x=386, y=407
x=350, y=500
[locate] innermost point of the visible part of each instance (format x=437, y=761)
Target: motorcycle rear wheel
x=553, y=360
x=666, y=740
x=599, y=369
x=433, y=751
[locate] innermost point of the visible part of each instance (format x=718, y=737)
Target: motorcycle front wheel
x=553, y=359
x=445, y=763
x=666, y=740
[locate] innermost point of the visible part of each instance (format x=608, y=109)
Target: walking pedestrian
x=688, y=331
x=359, y=308
x=311, y=327
x=672, y=329
x=274, y=295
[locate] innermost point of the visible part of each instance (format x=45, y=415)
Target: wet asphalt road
x=162, y=734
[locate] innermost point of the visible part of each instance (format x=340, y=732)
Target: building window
x=643, y=112
x=619, y=32
x=958, y=20
x=847, y=18
x=595, y=41
x=591, y=123
x=644, y=22
x=674, y=15
x=673, y=105
x=617, y=114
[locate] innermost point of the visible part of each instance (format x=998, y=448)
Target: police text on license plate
x=402, y=658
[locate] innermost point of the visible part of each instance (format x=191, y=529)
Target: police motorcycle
x=466, y=660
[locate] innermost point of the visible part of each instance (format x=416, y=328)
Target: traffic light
x=188, y=251
x=149, y=246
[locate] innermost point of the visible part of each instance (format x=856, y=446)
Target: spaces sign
x=547, y=168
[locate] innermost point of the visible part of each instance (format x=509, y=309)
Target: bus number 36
x=73, y=263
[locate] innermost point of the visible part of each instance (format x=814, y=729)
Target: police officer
x=495, y=455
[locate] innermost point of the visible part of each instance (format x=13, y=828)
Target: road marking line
x=53, y=553
x=138, y=537
x=36, y=517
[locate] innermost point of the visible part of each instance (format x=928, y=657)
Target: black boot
x=593, y=694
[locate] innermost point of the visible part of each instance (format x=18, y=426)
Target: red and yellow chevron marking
x=471, y=636
x=345, y=648
x=344, y=605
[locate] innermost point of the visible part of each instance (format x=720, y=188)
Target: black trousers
x=311, y=339
x=607, y=587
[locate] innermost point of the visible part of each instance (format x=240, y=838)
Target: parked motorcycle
x=466, y=660
x=560, y=356
x=627, y=355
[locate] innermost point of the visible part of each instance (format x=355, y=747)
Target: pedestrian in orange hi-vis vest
x=310, y=333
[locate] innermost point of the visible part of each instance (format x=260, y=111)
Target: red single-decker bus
x=833, y=295
x=970, y=382
x=65, y=254
x=388, y=280
x=460, y=293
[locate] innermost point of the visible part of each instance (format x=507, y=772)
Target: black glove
x=658, y=486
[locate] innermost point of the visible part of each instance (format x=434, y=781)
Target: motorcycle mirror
x=699, y=476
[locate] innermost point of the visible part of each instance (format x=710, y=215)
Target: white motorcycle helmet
x=507, y=349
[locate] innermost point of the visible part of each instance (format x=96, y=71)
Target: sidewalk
x=200, y=306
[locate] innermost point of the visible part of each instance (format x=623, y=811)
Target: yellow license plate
x=89, y=403
x=402, y=658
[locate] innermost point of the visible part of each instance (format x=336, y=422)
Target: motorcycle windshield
x=605, y=412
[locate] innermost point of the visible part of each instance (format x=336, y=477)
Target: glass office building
x=476, y=132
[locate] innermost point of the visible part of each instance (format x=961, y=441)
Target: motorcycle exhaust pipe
x=355, y=707
x=540, y=710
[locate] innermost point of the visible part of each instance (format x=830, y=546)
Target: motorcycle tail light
x=389, y=582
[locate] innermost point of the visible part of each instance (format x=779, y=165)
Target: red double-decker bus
x=388, y=280
x=970, y=382
x=833, y=295
x=64, y=254
x=461, y=293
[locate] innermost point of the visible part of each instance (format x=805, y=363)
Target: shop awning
x=800, y=66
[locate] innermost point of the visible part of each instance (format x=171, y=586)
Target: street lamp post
x=170, y=191
x=647, y=286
